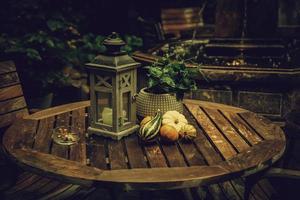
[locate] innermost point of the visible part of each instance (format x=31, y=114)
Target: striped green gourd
x=151, y=128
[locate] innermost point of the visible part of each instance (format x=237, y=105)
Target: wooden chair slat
x=86, y=193
x=215, y=192
x=7, y=119
x=7, y=66
x=49, y=188
x=9, y=79
x=268, y=188
x=12, y=105
x=239, y=186
x=31, y=189
x=55, y=195
x=10, y=92
x=24, y=184
x=258, y=193
x=62, y=193
x=229, y=191
x=177, y=20
x=136, y=156
x=59, y=110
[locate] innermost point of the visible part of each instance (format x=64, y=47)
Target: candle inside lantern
x=107, y=116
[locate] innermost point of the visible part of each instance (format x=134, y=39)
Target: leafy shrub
x=48, y=39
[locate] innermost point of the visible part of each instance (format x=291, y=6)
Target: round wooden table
x=231, y=142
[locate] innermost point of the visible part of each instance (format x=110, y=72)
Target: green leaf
x=54, y=25
x=152, y=82
x=50, y=43
x=155, y=72
x=33, y=54
x=167, y=80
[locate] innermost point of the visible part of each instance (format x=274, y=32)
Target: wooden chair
x=151, y=32
x=25, y=185
x=179, y=20
x=287, y=169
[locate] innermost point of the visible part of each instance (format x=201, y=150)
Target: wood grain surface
x=231, y=143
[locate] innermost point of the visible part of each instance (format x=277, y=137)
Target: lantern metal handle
x=134, y=96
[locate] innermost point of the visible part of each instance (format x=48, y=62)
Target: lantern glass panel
x=104, y=108
x=126, y=106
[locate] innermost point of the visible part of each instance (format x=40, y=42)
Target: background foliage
x=47, y=38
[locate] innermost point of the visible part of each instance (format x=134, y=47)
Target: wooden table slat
x=116, y=154
x=210, y=155
x=136, y=156
x=212, y=132
x=191, y=154
x=155, y=156
x=242, y=127
x=239, y=143
x=263, y=126
x=57, y=149
x=78, y=151
x=173, y=155
x=97, y=153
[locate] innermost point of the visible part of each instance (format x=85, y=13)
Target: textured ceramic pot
x=148, y=103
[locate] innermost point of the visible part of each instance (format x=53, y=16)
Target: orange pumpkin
x=169, y=133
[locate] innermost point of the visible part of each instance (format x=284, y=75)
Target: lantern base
x=113, y=135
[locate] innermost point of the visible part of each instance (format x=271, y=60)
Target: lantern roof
x=114, y=58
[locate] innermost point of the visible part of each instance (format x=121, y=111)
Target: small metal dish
x=65, y=135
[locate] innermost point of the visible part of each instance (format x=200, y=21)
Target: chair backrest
x=177, y=20
x=12, y=101
x=151, y=32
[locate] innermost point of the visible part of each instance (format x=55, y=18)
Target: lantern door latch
x=121, y=121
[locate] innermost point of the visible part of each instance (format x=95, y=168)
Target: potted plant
x=168, y=80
